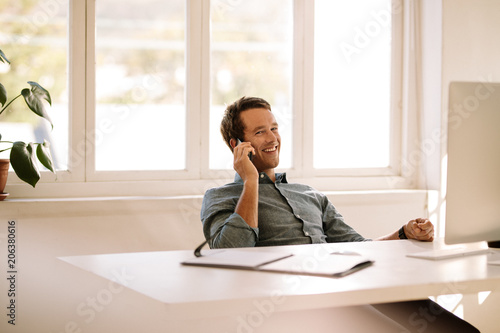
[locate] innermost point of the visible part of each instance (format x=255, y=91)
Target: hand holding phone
x=250, y=155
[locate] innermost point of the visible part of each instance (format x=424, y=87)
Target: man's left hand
x=420, y=229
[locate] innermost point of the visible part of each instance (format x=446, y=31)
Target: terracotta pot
x=4, y=171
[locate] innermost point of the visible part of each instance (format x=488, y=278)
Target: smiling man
x=260, y=208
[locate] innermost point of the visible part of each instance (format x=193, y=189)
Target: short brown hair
x=231, y=126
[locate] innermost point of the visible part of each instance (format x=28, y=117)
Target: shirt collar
x=264, y=178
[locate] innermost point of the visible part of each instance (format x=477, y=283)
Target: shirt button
x=306, y=233
x=262, y=176
x=297, y=216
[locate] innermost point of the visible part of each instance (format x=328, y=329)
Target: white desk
x=219, y=298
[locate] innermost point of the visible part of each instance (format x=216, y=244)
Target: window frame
x=197, y=177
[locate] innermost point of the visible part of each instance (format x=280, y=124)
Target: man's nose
x=271, y=137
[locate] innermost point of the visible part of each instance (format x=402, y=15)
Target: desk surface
x=393, y=277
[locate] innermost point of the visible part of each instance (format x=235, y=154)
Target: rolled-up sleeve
x=221, y=225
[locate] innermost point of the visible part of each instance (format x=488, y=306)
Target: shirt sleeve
x=221, y=225
x=334, y=226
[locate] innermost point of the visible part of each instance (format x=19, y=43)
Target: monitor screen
x=473, y=163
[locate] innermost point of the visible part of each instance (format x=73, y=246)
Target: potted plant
x=24, y=156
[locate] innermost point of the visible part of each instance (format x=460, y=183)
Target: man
x=260, y=208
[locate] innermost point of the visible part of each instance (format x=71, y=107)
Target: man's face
x=261, y=130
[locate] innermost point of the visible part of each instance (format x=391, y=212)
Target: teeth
x=270, y=149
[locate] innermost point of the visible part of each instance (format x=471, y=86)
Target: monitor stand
x=494, y=244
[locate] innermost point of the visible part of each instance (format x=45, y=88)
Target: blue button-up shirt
x=288, y=214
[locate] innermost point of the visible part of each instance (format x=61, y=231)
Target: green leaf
x=23, y=161
x=3, y=58
x=40, y=91
x=44, y=156
x=34, y=98
x=3, y=94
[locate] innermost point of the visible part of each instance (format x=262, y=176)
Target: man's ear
x=233, y=143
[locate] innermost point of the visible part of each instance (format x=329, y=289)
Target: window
x=140, y=88
x=251, y=55
x=34, y=38
x=352, y=83
x=140, y=121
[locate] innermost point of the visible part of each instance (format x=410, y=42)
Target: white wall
x=471, y=43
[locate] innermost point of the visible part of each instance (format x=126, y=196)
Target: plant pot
x=4, y=172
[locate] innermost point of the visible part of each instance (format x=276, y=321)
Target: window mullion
x=76, y=93
x=194, y=13
x=87, y=146
x=202, y=77
x=307, y=112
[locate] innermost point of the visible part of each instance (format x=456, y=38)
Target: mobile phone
x=250, y=155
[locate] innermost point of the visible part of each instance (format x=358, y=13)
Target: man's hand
x=248, y=204
x=420, y=229
x=242, y=164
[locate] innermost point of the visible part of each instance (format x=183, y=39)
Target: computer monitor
x=473, y=163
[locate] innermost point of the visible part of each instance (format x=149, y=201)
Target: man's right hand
x=247, y=206
x=242, y=164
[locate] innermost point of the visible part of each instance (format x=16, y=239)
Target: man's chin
x=273, y=165
x=267, y=165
